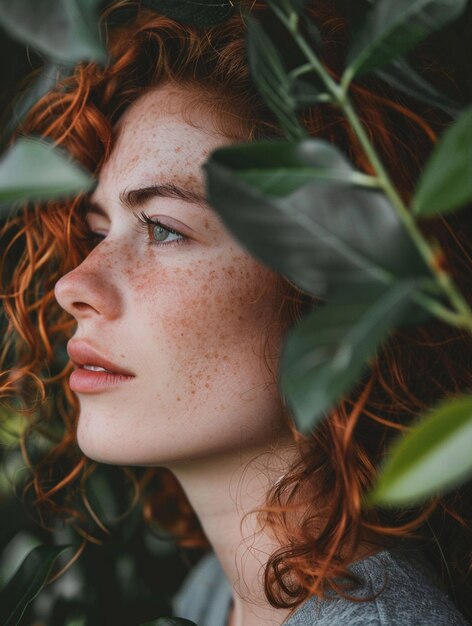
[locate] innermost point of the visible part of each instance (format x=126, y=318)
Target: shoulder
x=411, y=595
x=205, y=594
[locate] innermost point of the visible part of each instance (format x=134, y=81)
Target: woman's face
x=187, y=314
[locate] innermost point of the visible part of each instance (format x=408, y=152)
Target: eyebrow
x=134, y=198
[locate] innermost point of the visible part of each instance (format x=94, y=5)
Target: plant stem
x=463, y=315
x=429, y=255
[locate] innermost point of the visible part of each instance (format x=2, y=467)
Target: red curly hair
x=417, y=366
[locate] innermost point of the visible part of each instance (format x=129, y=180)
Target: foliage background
x=131, y=577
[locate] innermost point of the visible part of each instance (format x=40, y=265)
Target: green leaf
x=325, y=354
x=400, y=75
x=431, y=458
x=80, y=620
x=169, y=621
x=279, y=167
x=392, y=28
x=295, y=206
x=27, y=582
x=193, y=12
x=271, y=78
x=446, y=182
x=307, y=93
x=66, y=32
x=49, y=75
x=288, y=7
x=33, y=169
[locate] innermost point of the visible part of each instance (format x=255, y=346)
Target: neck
x=221, y=491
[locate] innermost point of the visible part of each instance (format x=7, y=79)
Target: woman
x=174, y=333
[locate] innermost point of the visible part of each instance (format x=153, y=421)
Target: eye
x=158, y=232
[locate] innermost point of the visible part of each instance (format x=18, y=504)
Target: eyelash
x=146, y=223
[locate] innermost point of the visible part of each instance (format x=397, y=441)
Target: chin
x=104, y=445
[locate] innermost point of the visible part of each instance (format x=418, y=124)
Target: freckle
x=207, y=385
x=193, y=391
x=178, y=398
x=122, y=356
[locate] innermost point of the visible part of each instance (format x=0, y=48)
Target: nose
x=90, y=290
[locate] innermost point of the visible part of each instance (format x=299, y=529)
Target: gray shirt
x=414, y=596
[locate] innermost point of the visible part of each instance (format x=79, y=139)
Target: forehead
x=167, y=132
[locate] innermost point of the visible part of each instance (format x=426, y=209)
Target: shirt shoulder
x=205, y=595
x=411, y=595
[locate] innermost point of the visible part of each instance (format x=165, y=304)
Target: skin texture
x=190, y=321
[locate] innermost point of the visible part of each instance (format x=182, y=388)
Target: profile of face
x=185, y=312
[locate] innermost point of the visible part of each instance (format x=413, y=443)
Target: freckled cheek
x=208, y=304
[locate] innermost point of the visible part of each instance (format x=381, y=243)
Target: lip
x=88, y=381
x=81, y=354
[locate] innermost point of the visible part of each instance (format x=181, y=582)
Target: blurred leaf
x=102, y=496
x=271, y=78
x=307, y=93
x=27, y=582
x=47, y=78
x=33, y=169
x=66, y=32
x=325, y=354
x=392, y=28
x=288, y=6
x=17, y=542
x=331, y=237
x=279, y=167
x=193, y=12
x=446, y=182
x=432, y=457
x=11, y=427
x=169, y=621
x=80, y=620
x=400, y=75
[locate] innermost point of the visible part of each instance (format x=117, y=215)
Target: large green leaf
x=272, y=79
x=433, y=457
x=391, y=28
x=33, y=169
x=446, y=182
x=66, y=32
x=279, y=167
x=193, y=12
x=325, y=354
x=330, y=236
x=27, y=582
